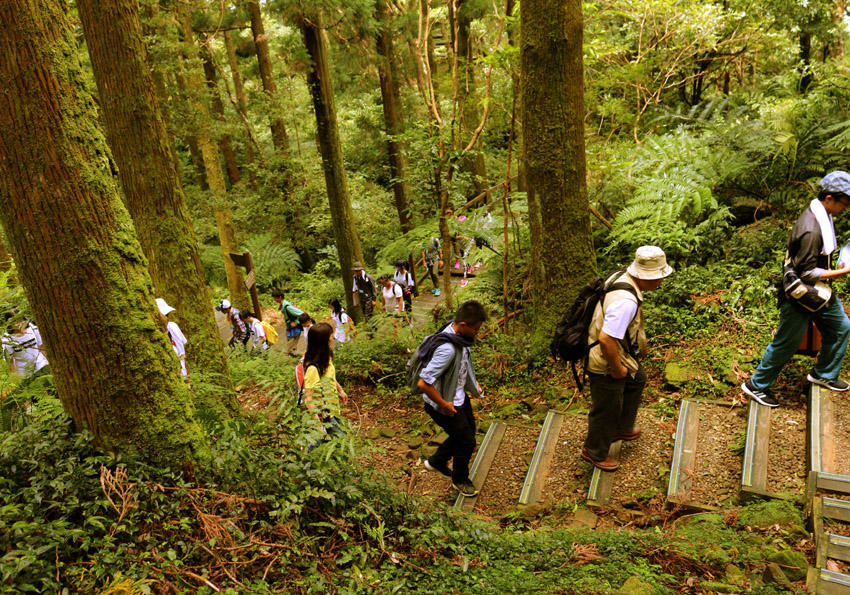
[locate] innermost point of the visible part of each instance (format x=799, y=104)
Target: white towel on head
x=827, y=231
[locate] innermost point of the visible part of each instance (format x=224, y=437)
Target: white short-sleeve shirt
x=618, y=317
x=23, y=351
x=340, y=320
x=259, y=334
x=391, y=296
x=178, y=341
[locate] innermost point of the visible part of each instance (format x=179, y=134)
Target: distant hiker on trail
x=258, y=332
x=364, y=290
x=23, y=348
x=446, y=381
x=291, y=316
x=405, y=280
x=431, y=260
x=805, y=295
x=175, y=335
x=322, y=393
x=617, y=341
x=343, y=325
x=237, y=325
x=392, y=297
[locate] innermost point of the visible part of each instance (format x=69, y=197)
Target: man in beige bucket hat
x=617, y=340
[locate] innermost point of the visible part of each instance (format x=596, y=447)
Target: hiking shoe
x=761, y=397
x=837, y=385
x=466, y=488
x=607, y=464
x=633, y=435
x=438, y=468
x=436, y=292
x=464, y=282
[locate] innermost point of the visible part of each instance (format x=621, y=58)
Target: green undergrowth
x=273, y=515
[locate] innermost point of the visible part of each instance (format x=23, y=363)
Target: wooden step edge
x=541, y=461
x=815, y=416
x=754, y=469
x=837, y=547
x=828, y=582
x=833, y=482
x=601, y=482
x=833, y=508
x=483, y=460
x=684, y=453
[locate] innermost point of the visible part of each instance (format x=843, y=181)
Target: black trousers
x=614, y=407
x=461, y=441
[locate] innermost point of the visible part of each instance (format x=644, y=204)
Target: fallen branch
x=500, y=322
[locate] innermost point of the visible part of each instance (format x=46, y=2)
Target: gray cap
x=357, y=266
x=836, y=181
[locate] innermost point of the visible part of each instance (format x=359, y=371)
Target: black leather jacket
x=805, y=247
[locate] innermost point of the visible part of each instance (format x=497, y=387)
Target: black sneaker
x=761, y=397
x=837, y=385
x=466, y=488
x=444, y=469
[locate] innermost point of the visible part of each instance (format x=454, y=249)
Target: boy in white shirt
x=178, y=339
x=261, y=342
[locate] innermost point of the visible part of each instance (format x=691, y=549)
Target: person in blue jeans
x=811, y=242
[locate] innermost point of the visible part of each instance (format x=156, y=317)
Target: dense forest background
x=144, y=141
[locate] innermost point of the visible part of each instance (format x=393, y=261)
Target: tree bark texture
x=151, y=184
x=261, y=42
x=393, y=122
x=553, y=100
x=192, y=141
x=321, y=90
x=5, y=258
x=225, y=144
x=81, y=265
x=215, y=177
x=472, y=163
x=241, y=104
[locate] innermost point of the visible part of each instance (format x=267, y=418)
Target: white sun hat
x=163, y=306
x=650, y=263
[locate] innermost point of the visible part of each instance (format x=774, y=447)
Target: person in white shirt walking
x=258, y=332
x=178, y=339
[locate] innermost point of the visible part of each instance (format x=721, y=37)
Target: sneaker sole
x=595, y=464
x=756, y=398
x=466, y=494
x=825, y=384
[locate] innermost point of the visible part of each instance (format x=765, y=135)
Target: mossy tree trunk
x=225, y=143
x=81, y=265
x=393, y=123
x=553, y=121
x=321, y=90
x=241, y=104
x=215, y=176
x=470, y=115
x=151, y=184
x=261, y=42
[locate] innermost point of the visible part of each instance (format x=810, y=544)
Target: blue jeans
x=833, y=324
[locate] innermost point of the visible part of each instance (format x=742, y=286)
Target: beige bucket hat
x=650, y=263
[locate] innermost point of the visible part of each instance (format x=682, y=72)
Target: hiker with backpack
x=258, y=331
x=441, y=369
x=323, y=395
x=392, y=296
x=239, y=329
x=175, y=335
x=605, y=328
x=291, y=318
x=806, y=297
x=364, y=290
x=405, y=280
x=431, y=260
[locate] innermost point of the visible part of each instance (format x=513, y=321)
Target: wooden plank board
x=832, y=583
x=483, y=460
x=833, y=482
x=837, y=547
x=815, y=429
x=541, y=461
x=817, y=530
x=684, y=453
x=836, y=509
x=601, y=481
x=754, y=472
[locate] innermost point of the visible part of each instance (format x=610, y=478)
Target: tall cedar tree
x=321, y=90
x=78, y=257
x=553, y=121
x=212, y=166
x=261, y=43
x=152, y=190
